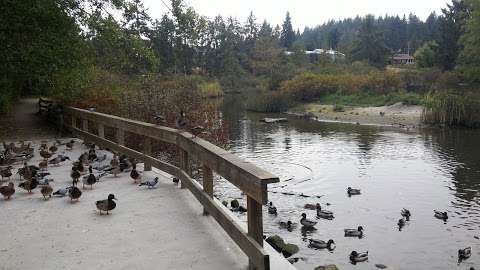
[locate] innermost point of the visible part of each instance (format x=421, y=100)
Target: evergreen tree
x=470, y=56
x=287, y=36
x=370, y=45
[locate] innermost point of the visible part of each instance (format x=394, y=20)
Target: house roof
x=402, y=56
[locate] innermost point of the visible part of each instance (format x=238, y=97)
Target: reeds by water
x=452, y=108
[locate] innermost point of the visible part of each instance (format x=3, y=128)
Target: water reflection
x=395, y=169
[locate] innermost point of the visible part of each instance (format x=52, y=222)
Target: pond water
x=418, y=170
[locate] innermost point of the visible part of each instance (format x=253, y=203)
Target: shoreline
x=396, y=115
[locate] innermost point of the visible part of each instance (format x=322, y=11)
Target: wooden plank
x=184, y=163
x=207, y=183
x=249, y=246
x=147, y=150
x=85, y=125
x=255, y=252
x=255, y=224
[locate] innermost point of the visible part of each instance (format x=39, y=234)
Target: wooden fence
x=247, y=177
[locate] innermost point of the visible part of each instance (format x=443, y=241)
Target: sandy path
x=162, y=228
x=22, y=123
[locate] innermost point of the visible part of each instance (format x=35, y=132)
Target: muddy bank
x=398, y=115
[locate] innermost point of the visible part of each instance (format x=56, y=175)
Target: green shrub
x=211, y=89
x=338, y=108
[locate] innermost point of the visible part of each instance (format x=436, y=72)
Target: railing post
x=101, y=130
x=85, y=125
x=207, y=183
x=120, y=136
x=74, y=124
x=147, y=150
x=255, y=223
x=184, y=163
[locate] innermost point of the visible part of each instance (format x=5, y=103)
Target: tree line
x=56, y=46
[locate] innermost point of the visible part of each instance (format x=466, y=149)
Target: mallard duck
x=7, y=191
x=134, y=174
x=405, y=213
x=106, y=205
x=149, y=183
x=401, y=222
x=324, y=213
x=43, y=165
x=29, y=185
x=353, y=191
x=320, y=244
x=46, y=191
x=6, y=172
x=440, y=215
x=354, y=232
x=90, y=180
x=272, y=209
x=53, y=149
x=45, y=154
x=181, y=122
x=197, y=130
x=464, y=254
x=74, y=193
x=75, y=175
x=69, y=145
x=306, y=222
x=62, y=192
x=310, y=206
x=358, y=257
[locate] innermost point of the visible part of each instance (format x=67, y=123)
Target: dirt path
x=22, y=123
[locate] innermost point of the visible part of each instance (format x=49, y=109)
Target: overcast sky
x=303, y=12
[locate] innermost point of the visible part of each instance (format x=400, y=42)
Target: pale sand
x=162, y=228
x=399, y=115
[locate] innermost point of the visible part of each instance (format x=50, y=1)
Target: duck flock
x=354, y=256
x=89, y=168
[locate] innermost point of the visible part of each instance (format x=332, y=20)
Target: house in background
x=403, y=59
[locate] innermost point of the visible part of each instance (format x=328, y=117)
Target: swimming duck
x=46, y=191
x=62, y=192
x=358, y=257
x=106, y=205
x=306, y=222
x=7, y=191
x=6, y=172
x=53, y=149
x=287, y=225
x=29, y=185
x=75, y=175
x=91, y=179
x=354, y=232
x=320, y=244
x=405, y=213
x=323, y=213
x=69, y=145
x=464, y=254
x=310, y=206
x=272, y=209
x=440, y=215
x=149, y=183
x=74, y=193
x=353, y=191
x=134, y=174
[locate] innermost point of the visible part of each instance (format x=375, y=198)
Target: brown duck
x=7, y=191
x=46, y=191
x=45, y=154
x=29, y=185
x=6, y=172
x=106, y=205
x=75, y=175
x=53, y=148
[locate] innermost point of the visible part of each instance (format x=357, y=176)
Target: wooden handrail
x=249, y=178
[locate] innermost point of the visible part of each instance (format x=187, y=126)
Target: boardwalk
x=161, y=228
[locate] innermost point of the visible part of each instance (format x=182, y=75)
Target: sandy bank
x=400, y=115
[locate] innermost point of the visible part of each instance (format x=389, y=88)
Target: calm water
x=420, y=170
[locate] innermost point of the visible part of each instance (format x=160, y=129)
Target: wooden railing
x=247, y=177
